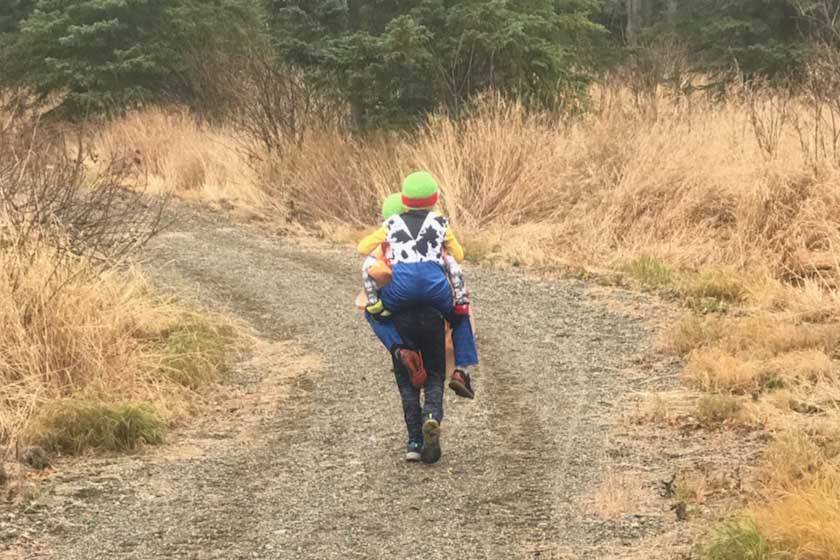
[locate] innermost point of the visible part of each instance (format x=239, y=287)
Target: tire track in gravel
x=322, y=476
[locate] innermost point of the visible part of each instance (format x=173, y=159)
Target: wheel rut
x=321, y=474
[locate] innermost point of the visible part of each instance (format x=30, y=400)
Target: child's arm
x=372, y=241
x=452, y=246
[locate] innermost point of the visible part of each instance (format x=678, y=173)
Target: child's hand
x=377, y=310
x=462, y=309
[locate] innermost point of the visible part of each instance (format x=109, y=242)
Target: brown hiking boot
x=461, y=384
x=412, y=361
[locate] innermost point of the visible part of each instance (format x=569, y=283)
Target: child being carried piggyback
x=413, y=261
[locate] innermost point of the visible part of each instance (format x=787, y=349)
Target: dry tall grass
x=694, y=186
x=801, y=512
x=172, y=152
x=103, y=338
x=87, y=350
x=727, y=203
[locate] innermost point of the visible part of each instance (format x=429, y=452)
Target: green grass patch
x=738, y=540
x=195, y=352
x=649, y=271
x=716, y=409
x=708, y=291
x=72, y=426
x=712, y=290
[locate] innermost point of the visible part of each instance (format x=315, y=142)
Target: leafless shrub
x=654, y=67
x=769, y=111
x=208, y=82
x=50, y=199
x=276, y=108
x=818, y=124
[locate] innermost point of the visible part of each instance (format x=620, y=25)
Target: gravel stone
x=321, y=475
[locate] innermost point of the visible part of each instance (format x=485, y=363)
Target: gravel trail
x=316, y=470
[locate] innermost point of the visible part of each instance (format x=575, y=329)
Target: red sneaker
x=412, y=361
x=461, y=384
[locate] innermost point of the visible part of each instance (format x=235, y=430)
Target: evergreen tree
x=757, y=35
x=103, y=55
x=396, y=60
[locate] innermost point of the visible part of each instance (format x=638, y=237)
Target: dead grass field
x=691, y=187
x=91, y=355
x=730, y=208
x=103, y=362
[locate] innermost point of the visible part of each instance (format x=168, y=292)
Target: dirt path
x=311, y=465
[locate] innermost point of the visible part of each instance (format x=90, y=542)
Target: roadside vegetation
x=91, y=357
x=691, y=149
x=687, y=204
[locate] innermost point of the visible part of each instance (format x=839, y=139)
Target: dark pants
x=423, y=329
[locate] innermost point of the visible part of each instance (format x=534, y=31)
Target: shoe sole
x=461, y=390
x=413, y=363
x=431, y=442
x=413, y=457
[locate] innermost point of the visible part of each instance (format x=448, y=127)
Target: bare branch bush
x=818, y=123
x=50, y=200
x=769, y=111
x=277, y=108
x=822, y=18
x=653, y=68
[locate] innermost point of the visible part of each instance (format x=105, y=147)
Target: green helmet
x=392, y=205
x=419, y=190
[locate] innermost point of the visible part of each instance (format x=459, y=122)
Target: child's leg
x=411, y=404
x=387, y=333
x=399, y=350
x=456, y=279
x=463, y=342
x=440, y=297
x=371, y=289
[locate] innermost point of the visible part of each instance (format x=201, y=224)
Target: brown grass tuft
x=805, y=520
x=716, y=283
x=618, y=495
x=100, y=337
x=716, y=371
x=715, y=410
x=790, y=459
x=173, y=153
x=811, y=366
x=691, y=333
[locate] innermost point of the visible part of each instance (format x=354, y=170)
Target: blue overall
x=386, y=332
x=426, y=284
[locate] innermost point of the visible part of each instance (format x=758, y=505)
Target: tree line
x=389, y=61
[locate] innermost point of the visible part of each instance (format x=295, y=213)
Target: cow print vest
x=415, y=237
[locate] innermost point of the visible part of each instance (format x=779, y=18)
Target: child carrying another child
x=419, y=254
